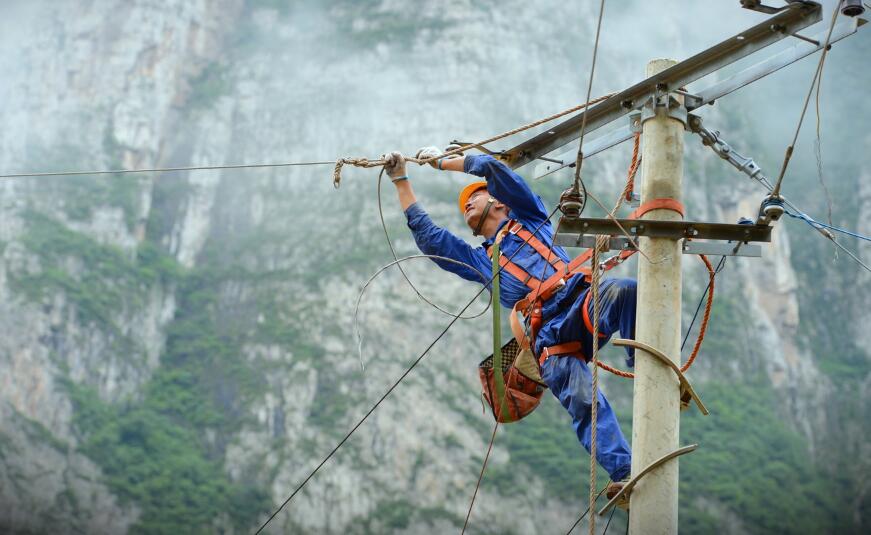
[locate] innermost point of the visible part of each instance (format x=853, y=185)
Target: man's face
x=474, y=208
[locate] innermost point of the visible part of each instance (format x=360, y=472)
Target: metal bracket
x=635, y=122
x=664, y=103
x=570, y=230
x=686, y=389
x=756, y=5
x=627, y=488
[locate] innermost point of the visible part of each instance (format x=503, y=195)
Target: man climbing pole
x=504, y=208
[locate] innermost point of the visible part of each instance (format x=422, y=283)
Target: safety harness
x=520, y=382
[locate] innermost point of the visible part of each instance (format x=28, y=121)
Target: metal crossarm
x=720, y=89
x=572, y=231
x=792, y=19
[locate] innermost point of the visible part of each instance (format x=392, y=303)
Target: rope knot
x=356, y=162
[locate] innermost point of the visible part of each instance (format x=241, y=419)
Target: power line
x=613, y=510
x=717, y=270
x=398, y=263
x=816, y=223
x=850, y=253
x=587, y=510
x=579, y=161
x=165, y=169
x=404, y=274
x=816, y=77
x=819, y=227
x=480, y=477
x=396, y=383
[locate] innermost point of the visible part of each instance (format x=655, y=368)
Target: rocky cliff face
x=177, y=337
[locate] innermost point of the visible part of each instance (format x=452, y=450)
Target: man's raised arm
x=429, y=237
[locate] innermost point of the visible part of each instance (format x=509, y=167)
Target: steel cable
x=817, y=75
x=392, y=387
x=164, y=169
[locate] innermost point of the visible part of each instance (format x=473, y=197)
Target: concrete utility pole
x=656, y=403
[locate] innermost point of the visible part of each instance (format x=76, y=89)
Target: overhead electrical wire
x=164, y=169
x=579, y=160
x=405, y=275
x=587, y=510
x=717, y=270
x=817, y=75
x=819, y=227
x=480, y=477
x=818, y=152
x=816, y=223
x=397, y=263
x=396, y=383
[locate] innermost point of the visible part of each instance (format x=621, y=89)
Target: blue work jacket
x=527, y=208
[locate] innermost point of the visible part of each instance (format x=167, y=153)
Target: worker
x=503, y=201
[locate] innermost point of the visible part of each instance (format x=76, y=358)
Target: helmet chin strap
x=477, y=231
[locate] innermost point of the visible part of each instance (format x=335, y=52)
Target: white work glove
x=429, y=152
x=394, y=165
x=451, y=147
x=434, y=152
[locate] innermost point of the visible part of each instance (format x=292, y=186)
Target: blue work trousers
x=570, y=380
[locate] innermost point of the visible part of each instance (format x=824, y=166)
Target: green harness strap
x=498, y=378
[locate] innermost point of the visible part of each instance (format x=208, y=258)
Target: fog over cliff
x=178, y=348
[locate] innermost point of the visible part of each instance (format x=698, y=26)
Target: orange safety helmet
x=467, y=192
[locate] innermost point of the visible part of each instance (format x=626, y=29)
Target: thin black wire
x=579, y=160
x=817, y=76
x=578, y=521
x=818, y=152
x=165, y=169
x=393, y=387
x=717, y=270
x=480, y=477
x=404, y=274
x=381, y=270
x=613, y=510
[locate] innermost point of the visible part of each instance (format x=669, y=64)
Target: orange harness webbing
x=541, y=291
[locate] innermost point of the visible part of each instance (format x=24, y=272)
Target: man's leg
x=570, y=381
x=617, y=310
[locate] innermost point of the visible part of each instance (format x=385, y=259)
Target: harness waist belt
x=568, y=349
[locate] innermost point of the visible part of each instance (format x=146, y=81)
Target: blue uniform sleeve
x=507, y=187
x=434, y=240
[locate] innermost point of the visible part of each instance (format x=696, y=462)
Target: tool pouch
x=523, y=384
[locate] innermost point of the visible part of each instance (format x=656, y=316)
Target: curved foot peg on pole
x=623, y=495
x=687, y=392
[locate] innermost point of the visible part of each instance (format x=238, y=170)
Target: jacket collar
x=489, y=241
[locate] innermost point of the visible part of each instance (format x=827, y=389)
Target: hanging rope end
x=337, y=173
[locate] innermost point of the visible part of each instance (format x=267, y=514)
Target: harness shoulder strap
x=547, y=289
x=518, y=272
x=543, y=250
